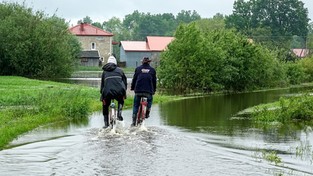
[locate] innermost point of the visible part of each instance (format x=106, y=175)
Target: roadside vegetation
x=26, y=104
x=35, y=45
x=298, y=109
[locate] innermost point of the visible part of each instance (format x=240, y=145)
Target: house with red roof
x=96, y=44
x=301, y=53
x=131, y=52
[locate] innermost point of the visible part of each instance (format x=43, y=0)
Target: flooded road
x=199, y=136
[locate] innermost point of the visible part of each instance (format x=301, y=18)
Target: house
x=301, y=53
x=131, y=52
x=96, y=43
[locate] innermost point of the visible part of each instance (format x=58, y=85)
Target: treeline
x=224, y=60
x=137, y=26
x=226, y=54
x=35, y=45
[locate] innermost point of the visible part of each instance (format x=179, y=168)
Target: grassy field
x=26, y=104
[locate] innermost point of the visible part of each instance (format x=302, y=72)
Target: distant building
x=301, y=53
x=131, y=52
x=96, y=44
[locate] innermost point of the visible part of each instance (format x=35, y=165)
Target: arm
x=102, y=82
x=154, y=81
x=124, y=79
x=132, y=87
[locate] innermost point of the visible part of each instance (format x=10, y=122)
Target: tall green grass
x=292, y=109
x=26, y=104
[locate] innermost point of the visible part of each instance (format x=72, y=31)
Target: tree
x=187, y=16
x=216, y=60
x=34, y=45
x=283, y=19
x=215, y=23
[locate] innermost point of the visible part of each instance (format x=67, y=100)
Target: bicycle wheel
x=138, y=121
x=112, y=115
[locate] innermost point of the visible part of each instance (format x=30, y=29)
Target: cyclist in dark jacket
x=113, y=86
x=144, y=85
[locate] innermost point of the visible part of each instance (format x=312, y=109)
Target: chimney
x=81, y=26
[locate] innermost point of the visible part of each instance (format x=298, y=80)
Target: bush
x=34, y=45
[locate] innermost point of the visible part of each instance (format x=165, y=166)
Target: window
x=93, y=46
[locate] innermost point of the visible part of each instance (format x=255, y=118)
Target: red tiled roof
x=152, y=43
x=135, y=46
x=157, y=43
x=301, y=52
x=85, y=29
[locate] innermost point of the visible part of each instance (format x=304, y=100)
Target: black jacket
x=113, y=82
x=144, y=79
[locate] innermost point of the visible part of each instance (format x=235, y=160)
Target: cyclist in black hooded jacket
x=113, y=86
x=144, y=85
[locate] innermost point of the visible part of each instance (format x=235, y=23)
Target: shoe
x=147, y=113
x=106, y=121
x=120, y=118
x=133, y=120
x=105, y=126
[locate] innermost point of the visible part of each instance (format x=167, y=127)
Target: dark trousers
x=107, y=101
x=137, y=101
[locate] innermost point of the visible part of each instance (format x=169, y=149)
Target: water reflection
x=197, y=136
x=217, y=113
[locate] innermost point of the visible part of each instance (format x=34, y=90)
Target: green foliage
x=216, y=60
x=26, y=104
x=307, y=65
x=34, y=45
x=281, y=19
x=292, y=109
x=271, y=157
x=295, y=73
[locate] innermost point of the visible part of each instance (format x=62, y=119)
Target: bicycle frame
x=112, y=115
x=141, y=115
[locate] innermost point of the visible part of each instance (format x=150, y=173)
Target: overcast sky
x=102, y=10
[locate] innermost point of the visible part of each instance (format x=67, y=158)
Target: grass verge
x=26, y=104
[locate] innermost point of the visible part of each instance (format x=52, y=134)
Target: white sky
x=102, y=10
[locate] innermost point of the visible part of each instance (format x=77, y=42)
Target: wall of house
x=91, y=62
x=134, y=58
x=103, y=44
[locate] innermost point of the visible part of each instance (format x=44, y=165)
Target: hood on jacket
x=109, y=67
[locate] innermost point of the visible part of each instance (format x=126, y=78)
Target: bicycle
x=112, y=115
x=141, y=114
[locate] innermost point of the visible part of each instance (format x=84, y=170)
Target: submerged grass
x=298, y=109
x=26, y=104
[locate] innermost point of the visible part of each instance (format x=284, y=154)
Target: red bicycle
x=141, y=115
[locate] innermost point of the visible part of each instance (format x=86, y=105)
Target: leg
x=105, y=110
x=149, y=100
x=120, y=101
x=135, y=109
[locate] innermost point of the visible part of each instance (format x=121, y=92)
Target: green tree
x=217, y=60
x=283, y=19
x=215, y=23
x=86, y=19
x=187, y=16
x=35, y=45
x=97, y=24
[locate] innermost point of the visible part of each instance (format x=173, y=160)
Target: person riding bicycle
x=113, y=86
x=144, y=85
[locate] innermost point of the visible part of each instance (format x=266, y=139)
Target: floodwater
x=197, y=136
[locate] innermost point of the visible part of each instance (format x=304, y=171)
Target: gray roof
x=90, y=54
